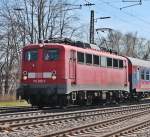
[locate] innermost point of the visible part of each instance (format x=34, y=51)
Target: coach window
x=80, y=57
x=147, y=75
x=142, y=74
x=51, y=54
x=31, y=55
x=109, y=62
x=115, y=63
x=103, y=61
x=88, y=58
x=120, y=63
x=96, y=60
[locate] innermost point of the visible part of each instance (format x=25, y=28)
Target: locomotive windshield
x=31, y=55
x=51, y=54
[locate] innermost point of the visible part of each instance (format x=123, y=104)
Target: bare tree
x=114, y=40
x=10, y=45
x=128, y=44
x=146, y=52
x=36, y=19
x=48, y=18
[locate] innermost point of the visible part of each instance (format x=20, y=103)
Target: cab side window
x=80, y=57
x=88, y=58
x=109, y=62
x=96, y=59
x=120, y=63
x=147, y=75
x=115, y=63
x=142, y=74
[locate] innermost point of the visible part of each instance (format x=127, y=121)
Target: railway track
x=55, y=113
x=4, y=110
x=107, y=128
x=36, y=112
x=46, y=124
x=16, y=109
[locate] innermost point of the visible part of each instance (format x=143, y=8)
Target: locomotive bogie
x=40, y=97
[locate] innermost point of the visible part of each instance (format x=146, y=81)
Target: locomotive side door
x=72, y=66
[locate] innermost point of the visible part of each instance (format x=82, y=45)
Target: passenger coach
x=139, y=76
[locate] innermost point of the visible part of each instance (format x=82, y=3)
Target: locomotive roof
x=80, y=49
x=92, y=51
x=139, y=62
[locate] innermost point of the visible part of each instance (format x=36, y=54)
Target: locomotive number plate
x=39, y=81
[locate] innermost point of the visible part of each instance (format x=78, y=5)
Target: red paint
x=68, y=70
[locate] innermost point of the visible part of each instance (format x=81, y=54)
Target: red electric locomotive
x=61, y=73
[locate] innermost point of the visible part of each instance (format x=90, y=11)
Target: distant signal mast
x=135, y=3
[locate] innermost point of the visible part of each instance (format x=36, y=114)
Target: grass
x=14, y=103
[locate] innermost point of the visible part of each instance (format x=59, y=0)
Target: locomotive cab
x=42, y=74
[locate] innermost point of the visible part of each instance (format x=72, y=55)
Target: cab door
x=72, y=66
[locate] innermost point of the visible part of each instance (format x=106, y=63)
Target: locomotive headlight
x=41, y=45
x=25, y=77
x=53, y=77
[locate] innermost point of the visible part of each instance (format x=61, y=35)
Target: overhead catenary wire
x=125, y=12
x=124, y=20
